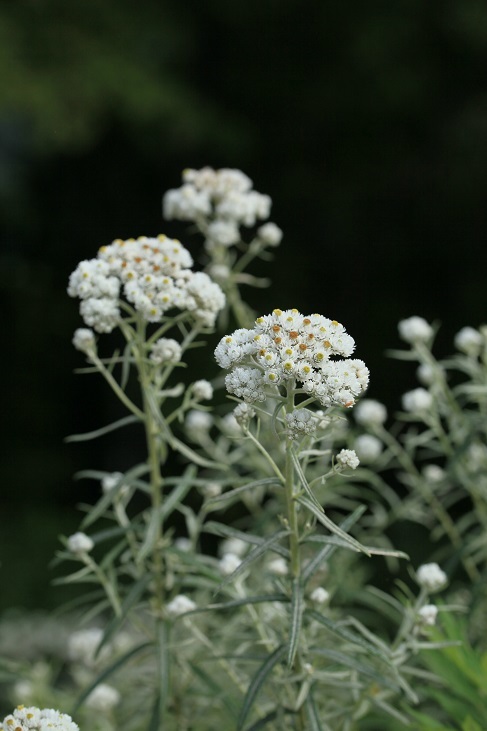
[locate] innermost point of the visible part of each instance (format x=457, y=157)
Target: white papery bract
x=270, y=234
x=153, y=274
x=30, y=718
x=320, y=595
x=287, y=346
x=202, y=390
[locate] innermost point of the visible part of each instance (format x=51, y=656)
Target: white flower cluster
x=469, y=341
x=347, y=458
x=225, y=195
x=300, y=422
x=287, y=346
x=166, y=350
x=370, y=413
x=35, y=719
x=416, y=401
x=103, y=698
x=155, y=276
x=367, y=448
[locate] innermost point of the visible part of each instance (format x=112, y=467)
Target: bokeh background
x=365, y=122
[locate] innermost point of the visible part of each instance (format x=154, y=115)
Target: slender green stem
x=266, y=454
x=116, y=388
x=110, y=589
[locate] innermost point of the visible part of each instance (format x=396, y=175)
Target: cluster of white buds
x=347, y=458
x=367, y=448
x=166, y=351
x=370, y=413
x=469, y=341
x=80, y=543
x=415, y=330
x=300, y=422
x=416, y=401
x=225, y=196
x=35, y=719
x=431, y=577
x=288, y=347
x=153, y=274
x=180, y=605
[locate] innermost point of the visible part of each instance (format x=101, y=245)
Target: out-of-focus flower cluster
x=226, y=197
x=287, y=346
x=34, y=719
x=154, y=274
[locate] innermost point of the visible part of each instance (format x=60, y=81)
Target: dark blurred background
x=365, y=122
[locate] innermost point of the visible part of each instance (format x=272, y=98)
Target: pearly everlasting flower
x=270, y=234
x=80, y=543
x=229, y=563
x=320, y=595
x=417, y=400
x=243, y=413
x=166, y=350
x=469, y=341
x=415, y=330
x=225, y=195
x=287, y=347
x=84, y=340
x=234, y=546
x=370, y=413
x=431, y=577
x=230, y=426
x=278, y=566
x=368, y=448
x=112, y=480
x=153, y=274
x=426, y=374
x=83, y=646
x=219, y=272
x=202, y=390
x=299, y=423
x=347, y=458
x=225, y=233
x=433, y=473
x=180, y=605
x=427, y=614
x=103, y=698
x=183, y=544
x=198, y=424
x=211, y=489
x=30, y=718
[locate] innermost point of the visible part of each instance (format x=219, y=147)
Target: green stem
x=116, y=388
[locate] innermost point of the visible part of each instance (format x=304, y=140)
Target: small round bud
x=80, y=543
x=431, y=577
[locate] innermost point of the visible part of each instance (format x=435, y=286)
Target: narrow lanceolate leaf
x=312, y=713
x=118, y=663
x=346, y=634
x=329, y=550
x=193, y=456
x=296, y=621
x=86, y=436
x=261, y=599
x=363, y=668
x=243, y=488
x=304, y=481
x=332, y=527
x=257, y=683
x=220, y=529
x=254, y=554
x=178, y=494
x=130, y=600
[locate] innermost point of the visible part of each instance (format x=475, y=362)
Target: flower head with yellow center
x=311, y=351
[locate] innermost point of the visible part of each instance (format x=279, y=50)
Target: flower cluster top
x=288, y=345
x=34, y=719
x=223, y=196
x=155, y=276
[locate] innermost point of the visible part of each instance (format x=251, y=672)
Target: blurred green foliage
x=367, y=124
